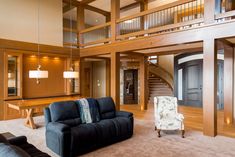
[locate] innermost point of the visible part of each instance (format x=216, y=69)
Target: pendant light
x=38, y=73
x=70, y=74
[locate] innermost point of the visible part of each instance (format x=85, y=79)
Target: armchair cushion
x=18, y=140
x=57, y=127
x=63, y=110
x=106, y=107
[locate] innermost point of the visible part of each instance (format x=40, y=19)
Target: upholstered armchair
x=166, y=115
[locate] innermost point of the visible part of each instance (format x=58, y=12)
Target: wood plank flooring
x=193, y=118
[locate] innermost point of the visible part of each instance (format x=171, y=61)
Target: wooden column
x=209, y=88
x=108, y=76
x=115, y=78
x=144, y=83
x=80, y=23
x=228, y=84
x=209, y=11
x=115, y=14
x=143, y=7
x=1, y=84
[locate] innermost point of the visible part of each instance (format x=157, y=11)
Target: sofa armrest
x=58, y=138
x=18, y=140
x=124, y=114
x=57, y=127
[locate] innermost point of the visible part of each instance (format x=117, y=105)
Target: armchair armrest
x=18, y=140
x=124, y=114
x=180, y=117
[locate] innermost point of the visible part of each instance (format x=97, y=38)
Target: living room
x=117, y=78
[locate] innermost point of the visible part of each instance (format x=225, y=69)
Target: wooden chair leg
x=159, y=132
x=183, y=132
x=155, y=128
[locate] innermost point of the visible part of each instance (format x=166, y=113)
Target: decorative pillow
x=3, y=139
x=7, y=150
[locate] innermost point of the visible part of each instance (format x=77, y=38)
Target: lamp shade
x=70, y=74
x=38, y=74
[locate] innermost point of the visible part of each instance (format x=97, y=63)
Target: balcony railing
x=176, y=16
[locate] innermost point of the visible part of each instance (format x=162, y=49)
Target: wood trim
x=86, y=1
x=162, y=28
x=173, y=4
x=26, y=46
x=69, y=44
x=95, y=27
x=96, y=42
x=224, y=15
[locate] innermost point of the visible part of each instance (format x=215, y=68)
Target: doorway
x=131, y=86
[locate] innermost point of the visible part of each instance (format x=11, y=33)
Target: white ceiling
x=92, y=18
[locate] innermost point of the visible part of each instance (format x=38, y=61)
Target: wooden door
x=192, y=74
x=87, y=82
x=131, y=86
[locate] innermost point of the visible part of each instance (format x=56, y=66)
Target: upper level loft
x=99, y=22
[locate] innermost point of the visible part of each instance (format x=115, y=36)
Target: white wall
x=19, y=21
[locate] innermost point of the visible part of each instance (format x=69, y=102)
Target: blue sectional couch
x=68, y=135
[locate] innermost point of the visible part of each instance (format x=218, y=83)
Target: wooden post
x=228, y=84
x=144, y=83
x=143, y=7
x=115, y=14
x=209, y=11
x=80, y=23
x=115, y=78
x=209, y=88
x=108, y=77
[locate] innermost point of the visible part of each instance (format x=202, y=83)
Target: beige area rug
x=144, y=142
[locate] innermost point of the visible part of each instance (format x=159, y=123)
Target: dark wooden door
x=87, y=82
x=192, y=76
x=131, y=86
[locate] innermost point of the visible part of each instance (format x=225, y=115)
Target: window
x=13, y=75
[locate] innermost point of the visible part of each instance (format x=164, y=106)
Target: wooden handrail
x=95, y=28
x=161, y=28
x=69, y=44
x=96, y=42
x=163, y=7
x=224, y=15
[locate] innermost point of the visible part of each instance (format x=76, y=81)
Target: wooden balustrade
x=175, y=16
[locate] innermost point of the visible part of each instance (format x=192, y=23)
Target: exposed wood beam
x=67, y=7
x=130, y=6
x=144, y=83
x=91, y=8
x=75, y=3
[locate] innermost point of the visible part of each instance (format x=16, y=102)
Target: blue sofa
x=68, y=136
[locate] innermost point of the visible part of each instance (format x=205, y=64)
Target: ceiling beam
x=75, y=3
x=130, y=6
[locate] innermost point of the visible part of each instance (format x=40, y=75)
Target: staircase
x=158, y=87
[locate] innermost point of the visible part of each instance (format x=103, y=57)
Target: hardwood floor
x=193, y=118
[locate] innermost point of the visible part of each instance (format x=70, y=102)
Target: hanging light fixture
x=71, y=74
x=38, y=73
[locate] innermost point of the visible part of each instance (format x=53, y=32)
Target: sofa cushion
x=3, y=139
x=83, y=136
x=71, y=122
x=106, y=108
x=7, y=150
x=64, y=110
x=123, y=126
x=106, y=131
